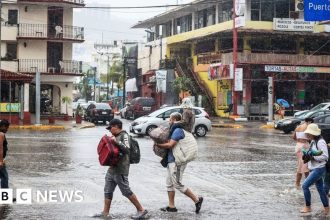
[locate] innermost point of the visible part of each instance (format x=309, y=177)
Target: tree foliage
x=182, y=84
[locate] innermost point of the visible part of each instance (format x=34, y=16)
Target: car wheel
x=150, y=128
x=200, y=131
x=287, y=131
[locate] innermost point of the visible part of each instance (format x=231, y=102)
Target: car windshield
x=102, y=106
x=157, y=112
x=318, y=107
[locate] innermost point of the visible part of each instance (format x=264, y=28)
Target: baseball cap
x=113, y=122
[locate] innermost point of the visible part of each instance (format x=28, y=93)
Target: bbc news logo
x=27, y=196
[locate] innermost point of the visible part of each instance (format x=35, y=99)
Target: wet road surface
x=241, y=173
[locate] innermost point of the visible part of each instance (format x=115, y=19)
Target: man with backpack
x=118, y=174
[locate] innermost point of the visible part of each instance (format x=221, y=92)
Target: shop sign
x=297, y=69
x=239, y=21
x=10, y=107
x=287, y=24
x=317, y=10
x=218, y=71
x=161, y=80
x=238, y=79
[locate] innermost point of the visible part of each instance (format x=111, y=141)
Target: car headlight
x=141, y=122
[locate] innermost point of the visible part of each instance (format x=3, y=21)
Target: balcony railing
x=75, y=2
x=54, y=32
x=60, y=67
x=284, y=59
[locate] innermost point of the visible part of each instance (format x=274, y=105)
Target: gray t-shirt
x=122, y=168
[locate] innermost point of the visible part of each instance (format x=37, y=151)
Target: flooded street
x=243, y=173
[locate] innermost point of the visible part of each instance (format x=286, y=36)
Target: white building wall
x=33, y=14
x=67, y=51
x=33, y=50
x=150, y=61
x=68, y=16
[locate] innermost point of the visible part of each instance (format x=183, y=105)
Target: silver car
x=143, y=125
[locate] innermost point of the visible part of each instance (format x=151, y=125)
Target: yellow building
x=273, y=40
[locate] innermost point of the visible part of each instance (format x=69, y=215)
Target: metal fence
x=50, y=31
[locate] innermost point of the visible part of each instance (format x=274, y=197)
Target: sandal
x=168, y=209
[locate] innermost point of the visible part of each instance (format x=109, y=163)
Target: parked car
x=321, y=106
x=140, y=106
x=289, y=124
x=123, y=111
x=324, y=124
x=96, y=112
x=144, y=125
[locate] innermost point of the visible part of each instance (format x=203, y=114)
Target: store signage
x=238, y=79
x=297, y=69
x=239, y=21
x=218, y=71
x=10, y=107
x=287, y=24
x=317, y=10
x=161, y=80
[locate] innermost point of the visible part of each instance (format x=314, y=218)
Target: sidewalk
x=219, y=122
x=59, y=125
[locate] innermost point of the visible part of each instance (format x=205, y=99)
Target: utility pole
x=234, y=93
x=94, y=69
x=124, y=84
x=37, y=96
x=108, y=72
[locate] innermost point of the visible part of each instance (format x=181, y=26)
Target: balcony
x=9, y=65
x=167, y=64
x=50, y=32
x=65, y=67
x=279, y=59
x=55, y=2
x=8, y=31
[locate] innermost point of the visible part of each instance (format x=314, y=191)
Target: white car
x=122, y=111
x=321, y=106
x=143, y=125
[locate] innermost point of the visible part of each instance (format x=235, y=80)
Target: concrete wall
x=150, y=61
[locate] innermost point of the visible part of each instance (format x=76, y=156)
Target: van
x=140, y=106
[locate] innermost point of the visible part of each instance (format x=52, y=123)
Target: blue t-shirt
x=177, y=135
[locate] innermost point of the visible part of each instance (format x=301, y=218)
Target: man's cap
x=113, y=122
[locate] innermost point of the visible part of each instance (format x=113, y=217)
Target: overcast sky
x=109, y=25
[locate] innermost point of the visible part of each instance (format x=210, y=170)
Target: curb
x=267, y=127
x=38, y=127
x=226, y=126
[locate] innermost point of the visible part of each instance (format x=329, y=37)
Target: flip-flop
x=303, y=211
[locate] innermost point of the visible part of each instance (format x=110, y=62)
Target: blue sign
x=317, y=10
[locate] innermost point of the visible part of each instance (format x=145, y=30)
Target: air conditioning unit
x=299, y=5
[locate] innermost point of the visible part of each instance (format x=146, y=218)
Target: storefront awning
x=12, y=76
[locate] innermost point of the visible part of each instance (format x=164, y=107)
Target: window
x=168, y=113
x=205, y=17
x=12, y=17
x=210, y=17
x=183, y=24
x=265, y=10
x=11, y=51
x=225, y=11
x=327, y=120
x=205, y=46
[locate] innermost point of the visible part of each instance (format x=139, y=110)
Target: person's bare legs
x=106, y=208
x=191, y=195
x=171, y=197
x=327, y=210
x=136, y=202
x=298, y=179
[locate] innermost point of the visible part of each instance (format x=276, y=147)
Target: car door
x=324, y=125
x=165, y=116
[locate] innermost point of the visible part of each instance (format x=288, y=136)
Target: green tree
x=115, y=76
x=182, y=84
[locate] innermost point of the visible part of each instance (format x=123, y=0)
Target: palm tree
x=66, y=100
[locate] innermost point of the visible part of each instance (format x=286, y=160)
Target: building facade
x=273, y=40
x=38, y=35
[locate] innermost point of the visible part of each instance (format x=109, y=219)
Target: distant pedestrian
x=4, y=125
x=301, y=143
x=174, y=171
x=118, y=175
x=316, y=165
x=188, y=116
